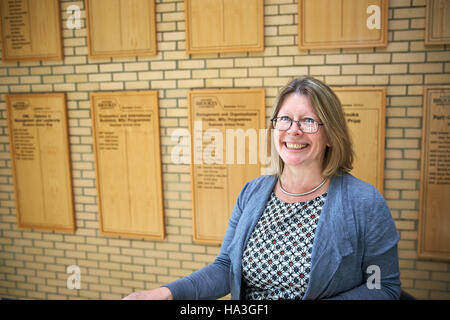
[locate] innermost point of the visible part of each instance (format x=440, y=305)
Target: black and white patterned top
x=277, y=259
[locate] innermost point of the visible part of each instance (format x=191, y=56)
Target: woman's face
x=295, y=147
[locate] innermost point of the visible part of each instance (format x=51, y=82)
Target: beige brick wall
x=33, y=263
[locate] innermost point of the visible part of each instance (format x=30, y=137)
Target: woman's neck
x=300, y=180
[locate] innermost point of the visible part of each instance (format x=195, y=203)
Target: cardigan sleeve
x=213, y=280
x=381, y=275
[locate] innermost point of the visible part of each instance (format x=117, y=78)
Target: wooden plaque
x=40, y=161
x=128, y=164
x=364, y=110
x=342, y=23
x=224, y=25
x=31, y=30
x=437, y=24
x=434, y=202
x=121, y=28
x=224, y=126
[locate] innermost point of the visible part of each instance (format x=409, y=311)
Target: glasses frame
x=273, y=121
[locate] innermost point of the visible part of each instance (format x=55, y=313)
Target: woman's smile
x=295, y=146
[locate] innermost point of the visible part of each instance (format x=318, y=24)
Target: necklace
x=300, y=194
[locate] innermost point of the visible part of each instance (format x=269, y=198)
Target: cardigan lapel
x=250, y=216
x=331, y=241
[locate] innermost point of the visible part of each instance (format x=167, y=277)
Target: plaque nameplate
x=225, y=154
x=437, y=22
x=128, y=164
x=121, y=28
x=224, y=25
x=40, y=161
x=364, y=110
x=31, y=30
x=434, y=202
x=342, y=23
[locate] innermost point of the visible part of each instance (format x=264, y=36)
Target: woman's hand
x=162, y=293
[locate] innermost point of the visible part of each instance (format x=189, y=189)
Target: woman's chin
x=292, y=161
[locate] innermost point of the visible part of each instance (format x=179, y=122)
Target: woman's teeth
x=295, y=146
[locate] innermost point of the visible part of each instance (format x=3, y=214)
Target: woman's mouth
x=295, y=146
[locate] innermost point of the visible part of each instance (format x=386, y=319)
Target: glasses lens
x=308, y=126
x=282, y=123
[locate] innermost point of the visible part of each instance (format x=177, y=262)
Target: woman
x=311, y=230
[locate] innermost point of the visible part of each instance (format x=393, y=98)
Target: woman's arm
x=380, y=269
x=213, y=280
x=381, y=279
x=155, y=294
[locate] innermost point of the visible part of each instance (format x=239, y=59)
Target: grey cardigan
x=354, y=253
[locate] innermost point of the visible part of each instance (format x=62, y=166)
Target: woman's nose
x=295, y=128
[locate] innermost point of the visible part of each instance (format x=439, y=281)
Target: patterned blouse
x=277, y=259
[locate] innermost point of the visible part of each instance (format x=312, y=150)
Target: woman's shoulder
x=359, y=187
x=261, y=182
x=259, y=185
x=352, y=180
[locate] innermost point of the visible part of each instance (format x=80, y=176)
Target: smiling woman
x=308, y=231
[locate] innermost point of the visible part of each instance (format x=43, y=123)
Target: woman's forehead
x=296, y=104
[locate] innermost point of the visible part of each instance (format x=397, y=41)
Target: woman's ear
x=328, y=142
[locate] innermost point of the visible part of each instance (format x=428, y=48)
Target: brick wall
x=33, y=263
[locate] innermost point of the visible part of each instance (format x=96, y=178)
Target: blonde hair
x=339, y=157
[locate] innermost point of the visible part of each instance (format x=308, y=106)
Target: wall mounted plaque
x=40, y=161
x=224, y=25
x=437, y=24
x=342, y=23
x=121, y=28
x=225, y=147
x=434, y=201
x=364, y=110
x=31, y=30
x=128, y=164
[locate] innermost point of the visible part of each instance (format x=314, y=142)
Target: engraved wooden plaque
x=121, y=28
x=31, y=30
x=364, y=110
x=434, y=202
x=342, y=23
x=40, y=161
x=128, y=164
x=437, y=22
x=224, y=126
x=224, y=25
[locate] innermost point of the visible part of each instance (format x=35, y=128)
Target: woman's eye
x=285, y=118
x=309, y=120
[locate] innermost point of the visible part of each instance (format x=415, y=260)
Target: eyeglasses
x=306, y=125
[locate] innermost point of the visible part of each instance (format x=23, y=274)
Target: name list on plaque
x=31, y=30
x=128, y=164
x=40, y=161
x=225, y=152
x=364, y=111
x=434, y=223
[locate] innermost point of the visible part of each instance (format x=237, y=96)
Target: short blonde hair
x=339, y=157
